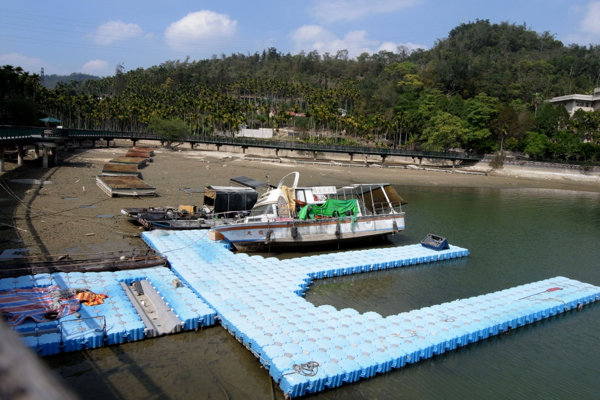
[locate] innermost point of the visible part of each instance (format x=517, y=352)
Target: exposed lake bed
x=516, y=230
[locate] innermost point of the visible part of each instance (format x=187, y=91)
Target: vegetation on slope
x=481, y=89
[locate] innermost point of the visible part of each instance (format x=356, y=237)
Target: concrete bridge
x=50, y=139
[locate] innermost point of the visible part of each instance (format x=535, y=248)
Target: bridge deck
x=24, y=135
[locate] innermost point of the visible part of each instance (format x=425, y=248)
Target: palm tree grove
x=482, y=89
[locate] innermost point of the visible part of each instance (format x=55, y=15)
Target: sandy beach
x=61, y=209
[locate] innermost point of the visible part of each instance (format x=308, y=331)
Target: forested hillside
x=481, y=89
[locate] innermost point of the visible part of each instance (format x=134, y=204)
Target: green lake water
x=515, y=236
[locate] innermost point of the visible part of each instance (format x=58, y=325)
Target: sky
x=93, y=37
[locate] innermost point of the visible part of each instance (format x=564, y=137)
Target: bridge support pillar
x=66, y=145
x=2, y=169
x=93, y=143
x=244, y=148
x=45, y=157
x=80, y=143
x=383, y=157
x=20, y=154
x=453, y=164
x=276, y=152
x=192, y=144
x=36, y=150
x=314, y=155
x=218, y=147
x=47, y=148
x=107, y=143
x=134, y=141
x=420, y=161
x=351, y=156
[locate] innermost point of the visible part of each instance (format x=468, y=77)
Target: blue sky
x=93, y=37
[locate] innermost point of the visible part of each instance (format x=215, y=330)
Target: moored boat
x=292, y=216
x=220, y=205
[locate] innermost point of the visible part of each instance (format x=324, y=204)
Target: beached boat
x=220, y=205
x=291, y=216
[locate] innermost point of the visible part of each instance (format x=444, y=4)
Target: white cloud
x=30, y=64
x=114, y=31
x=196, y=28
x=393, y=47
x=589, y=27
x=591, y=21
x=328, y=11
x=313, y=37
x=96, y=67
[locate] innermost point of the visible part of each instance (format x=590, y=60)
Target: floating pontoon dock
x=137, y=161
x=114, y=322
x=120, y=170
x=306, y=349
x=137, y=154
x=124, y=186
x=143, y=150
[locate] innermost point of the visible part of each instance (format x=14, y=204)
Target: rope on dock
x=310, y=368
x=412, y=333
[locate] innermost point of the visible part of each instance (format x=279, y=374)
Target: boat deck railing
x=392, y=207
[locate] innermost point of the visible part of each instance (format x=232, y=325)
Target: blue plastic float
x=114, y=322
x=308, y=349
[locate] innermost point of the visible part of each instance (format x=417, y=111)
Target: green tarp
x=331, y=208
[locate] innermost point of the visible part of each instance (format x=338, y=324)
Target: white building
x=574, y=102
x=260, y=133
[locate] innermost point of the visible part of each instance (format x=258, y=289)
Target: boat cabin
x=223, y=200
x=286, y=203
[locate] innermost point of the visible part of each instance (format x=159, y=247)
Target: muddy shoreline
x=64, y=211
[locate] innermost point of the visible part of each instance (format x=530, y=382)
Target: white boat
x=291, y=216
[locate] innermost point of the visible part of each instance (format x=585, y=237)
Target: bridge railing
x=299, y=146
x=8, y=133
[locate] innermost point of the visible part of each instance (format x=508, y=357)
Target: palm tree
x=538, y=98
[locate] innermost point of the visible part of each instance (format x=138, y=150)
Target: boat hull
x=262, y=236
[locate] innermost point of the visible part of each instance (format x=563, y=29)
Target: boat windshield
x=262, y=210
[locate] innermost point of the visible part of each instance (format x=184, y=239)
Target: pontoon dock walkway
x=306, y=349
x=114, y=322
x=258, y=301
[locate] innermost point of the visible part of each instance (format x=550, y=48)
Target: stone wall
x=543, y=170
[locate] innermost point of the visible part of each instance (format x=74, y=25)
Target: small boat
x=221, y=205
x=292, y=216
x=435, y=242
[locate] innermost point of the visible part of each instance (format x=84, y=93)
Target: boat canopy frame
x=376, y=198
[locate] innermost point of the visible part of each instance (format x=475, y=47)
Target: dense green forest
x=481, y=90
